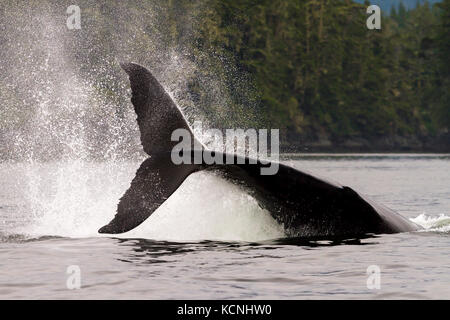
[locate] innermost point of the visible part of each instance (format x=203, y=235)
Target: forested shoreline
x=333, y=84
x=310, y=68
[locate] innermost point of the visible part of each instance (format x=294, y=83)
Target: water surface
x=212, y=241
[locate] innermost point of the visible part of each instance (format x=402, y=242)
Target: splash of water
x=65, y=105
x=63, y=93
x=440, y=223
x=75, y=198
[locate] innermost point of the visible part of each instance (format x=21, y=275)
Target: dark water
x=49, y=214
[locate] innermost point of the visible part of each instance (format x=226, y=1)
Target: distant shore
x=395, y=144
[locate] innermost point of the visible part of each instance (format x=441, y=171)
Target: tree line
x=328, y=81
x=310, y=68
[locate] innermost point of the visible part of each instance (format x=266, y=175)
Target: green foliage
x=321, y=72
x=316, y=69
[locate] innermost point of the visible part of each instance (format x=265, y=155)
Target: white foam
x=83, y=197
x=208, y=207
x=440, y=223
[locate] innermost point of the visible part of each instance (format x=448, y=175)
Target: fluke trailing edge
x=305, y=205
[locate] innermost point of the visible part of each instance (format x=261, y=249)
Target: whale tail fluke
x=157, y=114
x=157, y=177
x=155, y=181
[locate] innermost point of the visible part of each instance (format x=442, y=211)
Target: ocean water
x=212, y=241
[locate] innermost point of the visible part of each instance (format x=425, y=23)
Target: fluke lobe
x=305, y=205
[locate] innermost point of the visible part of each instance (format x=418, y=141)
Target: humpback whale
x=307, y=206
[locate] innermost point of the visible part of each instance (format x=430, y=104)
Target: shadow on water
x=157, y=251
x=314, y=242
